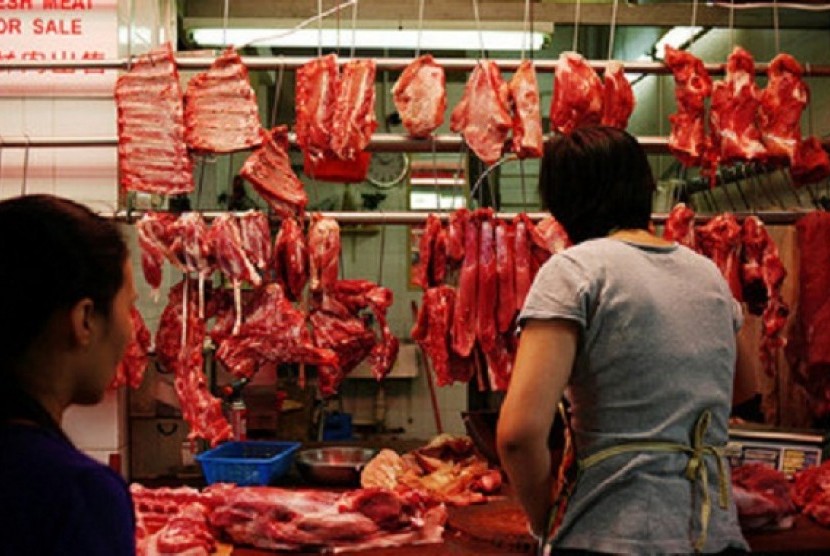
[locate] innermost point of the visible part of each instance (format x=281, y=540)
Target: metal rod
x=272, y=63
x=413, y=218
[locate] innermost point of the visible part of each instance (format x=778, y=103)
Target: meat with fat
x=130, y=370
x=617, y=96
x=221, y=113
x=316, y=93
x=153, y=240
x=720, y=240
x=680, y=226
x=782, y=102
x=692, y=85
x=353, y=120
x=290, y=258
x=482, y=116
x=152, y=154
x=506, y=274
x=269, y=171
x=811, y=164
x=191, y=246
x=487, y=286
x=762, y=497
x=528, y=137
x=455, y=234
x=811, y=492
x=420, y=95
x=463, y=330
x=577, y=94
x=323, y=252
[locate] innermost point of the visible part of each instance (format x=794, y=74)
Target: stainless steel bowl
x=333, y=465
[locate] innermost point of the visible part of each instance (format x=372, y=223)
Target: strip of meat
x=680, y=226
x=256, y=237
x=291, y=258
x=153, y=239
x=500, y=362
x=521, y=253
x=423, y=272
x=438, y=268
x=528, y=137
x=464, y=320
x=323, y=252
x=487, y=288
x=232, y=259
x=420, y=95
x=577, y=94
x=221, y=113
x=455, y=234
x=811, y=164
x=316, y=91
x=692, y=85
x=130, y=371
x=269, y=171
x=482, y=116
x=617, y=96
x=782, y=102
x=506, y=271
x=152, y=154
x=354, y=120
x=734, y=131
x=720, y=240
x=762, y=495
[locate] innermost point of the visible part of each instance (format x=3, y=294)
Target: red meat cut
x=577, y=94
x=316, y=92
x=528, y=140
x=506, y=272
x=692, y=85
x=487, y=287
x=130, y=371
x=720, y=240
x=153, y=239
x=617, y=96
x=464, y=325
x=269, y=171
x=521, y=252
x=680, y=226
x=782, y=102
x=353, y=121
x=290, y=260
x=762, y=495
x=323, y=252
x=420, y=95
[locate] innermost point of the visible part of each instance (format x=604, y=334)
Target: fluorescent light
x=394, y=39
x=677, y=37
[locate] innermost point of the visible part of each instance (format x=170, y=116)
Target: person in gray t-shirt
x=638, y=334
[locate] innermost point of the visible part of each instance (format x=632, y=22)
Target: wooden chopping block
x=500, y=522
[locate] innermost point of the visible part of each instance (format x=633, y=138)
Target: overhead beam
x=405, y=13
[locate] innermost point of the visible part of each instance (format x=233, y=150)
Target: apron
x=697, y=471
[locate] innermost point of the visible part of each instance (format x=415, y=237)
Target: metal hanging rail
x=400, y=218
x=381, y=142
x=388, y=64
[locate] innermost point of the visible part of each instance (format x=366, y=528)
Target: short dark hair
x=595, y=180
x=53, y=253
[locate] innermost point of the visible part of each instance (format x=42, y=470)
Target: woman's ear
x=81, y=322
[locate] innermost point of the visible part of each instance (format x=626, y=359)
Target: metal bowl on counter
x=333, y=465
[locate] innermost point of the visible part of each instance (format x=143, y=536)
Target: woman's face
x=114, y=332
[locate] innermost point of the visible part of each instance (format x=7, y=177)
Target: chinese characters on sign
x=55, y=31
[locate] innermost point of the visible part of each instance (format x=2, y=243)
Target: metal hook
x=23, y=186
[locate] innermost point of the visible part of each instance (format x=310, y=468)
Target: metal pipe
x=389, y=64
x=414, y=218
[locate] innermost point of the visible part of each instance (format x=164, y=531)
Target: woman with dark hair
x=66, y=290
x=638, y=333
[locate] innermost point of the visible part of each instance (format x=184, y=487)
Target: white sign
x=58, y=30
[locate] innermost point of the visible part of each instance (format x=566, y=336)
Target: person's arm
x=745, y=384
x=547, y=350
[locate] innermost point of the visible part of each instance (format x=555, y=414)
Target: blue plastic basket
x=247, y=462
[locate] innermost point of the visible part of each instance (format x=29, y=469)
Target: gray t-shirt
x=657, y=348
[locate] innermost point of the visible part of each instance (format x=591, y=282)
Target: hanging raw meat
x=438, y=268
x=482, y=115
x=577, y=94
x=256, y=237
x=528, y=140
x=549, y=236
x=190, y=244
x=130, y=371
x=269, y=171
x=455, y=234
x=323, y=252
x=153, y=239
x=500, y=362
x=763, y=274
x=423, y=272
x=290, y=260
x=464, y=322
x=432, y=332
x=733, y=126
x=782, y=102
x=720, y=240
x=487, y=287
x=692, y=85
x=420, y=95
x=521, y=252
x=353, y=121
x=680, y=226
x=316, y=92
x=334, y=327
x=506, y=272
x=152, y=154
x=617, y=96
x=274, y=331
x=179, y=343
x=221, y=113
x=811, y=162
x=809, y=348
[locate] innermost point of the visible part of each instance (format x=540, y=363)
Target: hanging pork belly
x=420, y=95
x=482, y=116
x=221, y=113
x=152, y=154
